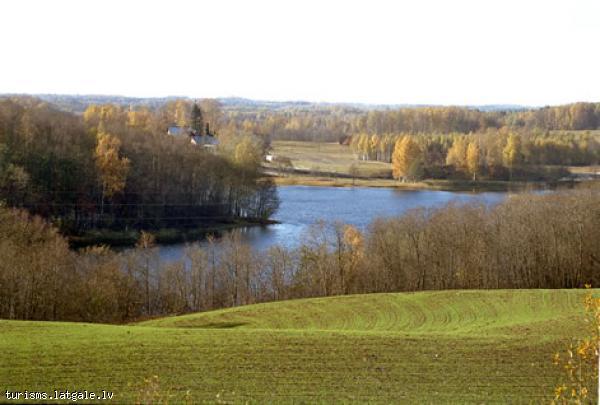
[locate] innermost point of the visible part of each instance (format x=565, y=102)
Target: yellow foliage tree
x=580, y=362
x=113, y=169
x=457, y=154
x=473, y=159
x=182, y=113
x=96, y=115
x=248, y=152
x=354, y=254
x=374, y=146
x=512, y=153
x=406, y=158
x=92, y=114
x=140, y=118
x=363, y=146
x=354, y=240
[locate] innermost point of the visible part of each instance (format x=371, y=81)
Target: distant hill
x=78, y=103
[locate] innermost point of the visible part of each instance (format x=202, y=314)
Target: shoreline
x=169, y=236
x=435, y=185
x=164, y=236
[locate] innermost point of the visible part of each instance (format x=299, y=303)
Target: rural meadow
x=308, y=202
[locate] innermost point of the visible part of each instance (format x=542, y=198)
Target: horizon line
x=306, y=101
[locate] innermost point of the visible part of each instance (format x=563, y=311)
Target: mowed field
x=428, y=347
x=332, y=159
x=328, y=157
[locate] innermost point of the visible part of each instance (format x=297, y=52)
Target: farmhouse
x=200, y=138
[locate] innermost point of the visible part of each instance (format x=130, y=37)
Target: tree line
x=113, y=167
x=493, y=154
x=547, y=240
x=319, y=119
x=330, y=123
x=504, y=145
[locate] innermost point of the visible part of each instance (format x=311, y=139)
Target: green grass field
x=429, y=347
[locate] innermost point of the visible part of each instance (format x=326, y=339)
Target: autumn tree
x=374, y=143
x=580, y=362
x=182, y=111
x=406, y=159
x=113, y=168
x=457, y=154
x=141, y=118
x=512, y=153
x=473, y=159
x=353, y=243
x=248, y=151
x=108, y=115
x=363, y=146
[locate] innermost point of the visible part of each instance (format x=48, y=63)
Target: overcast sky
x=412, y=51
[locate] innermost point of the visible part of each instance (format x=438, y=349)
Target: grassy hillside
x=451, y=346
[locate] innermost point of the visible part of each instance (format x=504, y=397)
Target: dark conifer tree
x=196, y=119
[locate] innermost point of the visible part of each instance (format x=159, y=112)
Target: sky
x=460, y=52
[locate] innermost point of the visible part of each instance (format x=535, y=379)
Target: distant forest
x=446, y=142
x=327, y=122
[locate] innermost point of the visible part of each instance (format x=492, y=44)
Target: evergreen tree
x=196, y=119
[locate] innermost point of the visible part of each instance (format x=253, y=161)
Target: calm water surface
x=302, y=206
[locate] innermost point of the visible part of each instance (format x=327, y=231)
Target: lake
x=303, y=206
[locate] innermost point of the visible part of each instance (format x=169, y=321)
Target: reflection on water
x=302, y=206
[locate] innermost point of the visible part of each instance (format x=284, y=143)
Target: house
x=207, y=139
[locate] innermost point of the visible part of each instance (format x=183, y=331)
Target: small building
x=204, y=140
x=207, y=139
